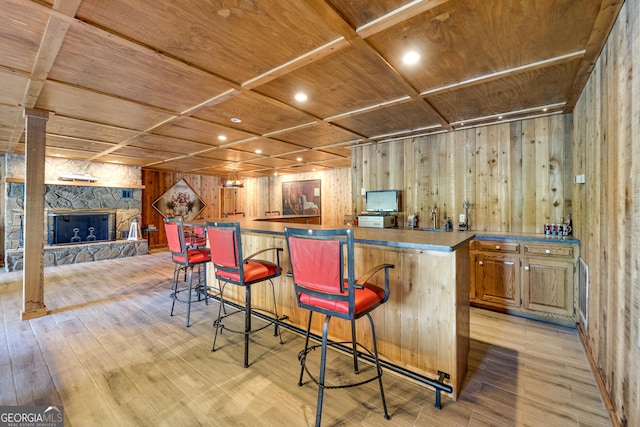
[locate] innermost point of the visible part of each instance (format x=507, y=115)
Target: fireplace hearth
x=72, y=227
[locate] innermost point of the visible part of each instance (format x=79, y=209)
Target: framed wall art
x=179, y=200
x=301, y=197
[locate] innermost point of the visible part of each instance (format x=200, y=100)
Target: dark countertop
x=277, y=217
x=405, y=238
x=389, y=237
x=533, y=237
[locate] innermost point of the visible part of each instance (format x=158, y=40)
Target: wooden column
x=33, y=260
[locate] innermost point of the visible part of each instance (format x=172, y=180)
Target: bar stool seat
x=196, y=238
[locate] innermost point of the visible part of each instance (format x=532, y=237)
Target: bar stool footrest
x=263, y=314
x=302, y=356
x=198, y=289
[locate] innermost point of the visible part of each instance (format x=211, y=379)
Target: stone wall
x=86, y=252
x=127, y=203
x=61, y=197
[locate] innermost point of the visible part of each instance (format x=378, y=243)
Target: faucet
x=464, y=226
x=434, y=217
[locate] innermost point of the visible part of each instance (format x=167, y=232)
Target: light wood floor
x=110, y=353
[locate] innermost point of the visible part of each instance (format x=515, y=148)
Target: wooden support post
x=33, y=258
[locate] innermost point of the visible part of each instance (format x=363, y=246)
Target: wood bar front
x=423, y=328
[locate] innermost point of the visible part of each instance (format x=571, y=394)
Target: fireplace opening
x=80, y=226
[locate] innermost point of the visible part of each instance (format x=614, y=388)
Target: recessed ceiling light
x=222, y=137
x=299, y=159
x=258, y=151
x=545, y=109
x=411, y=58
x=301, y=97
x=236, y=120
x=499, y=117
x=275, y=174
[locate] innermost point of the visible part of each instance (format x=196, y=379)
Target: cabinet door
x=497, y=280
x=548, y=286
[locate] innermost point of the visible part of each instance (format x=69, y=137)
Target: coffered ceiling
x=160, y=84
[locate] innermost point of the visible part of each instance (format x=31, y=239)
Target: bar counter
x=424, y=326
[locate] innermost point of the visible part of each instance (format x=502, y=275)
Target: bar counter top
x=389, y=237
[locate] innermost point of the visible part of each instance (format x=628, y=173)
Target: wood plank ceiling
x=159, y=83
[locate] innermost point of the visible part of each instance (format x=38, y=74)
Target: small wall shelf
x=80, y=183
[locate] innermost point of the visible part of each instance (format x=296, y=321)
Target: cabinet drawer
x=549, y=250
x=496, y=246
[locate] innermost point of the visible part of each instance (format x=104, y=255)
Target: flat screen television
x=382, y=201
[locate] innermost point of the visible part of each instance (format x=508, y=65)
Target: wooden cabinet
x=497, y=279
x=548, y=280
x=535, y=280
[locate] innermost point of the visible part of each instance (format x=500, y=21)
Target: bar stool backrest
x=175, y=239
x=317, y=265
x=226, y=247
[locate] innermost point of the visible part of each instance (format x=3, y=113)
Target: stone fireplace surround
x=127, y=204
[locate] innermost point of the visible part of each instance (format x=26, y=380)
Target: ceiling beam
x=504, y=73
x=605, y=20
x=396, y=16
x=52, y=39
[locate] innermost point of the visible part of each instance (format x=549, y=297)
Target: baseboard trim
x=599, y=380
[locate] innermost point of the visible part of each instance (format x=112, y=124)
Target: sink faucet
x=434, y=217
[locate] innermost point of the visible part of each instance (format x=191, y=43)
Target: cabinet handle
x=497, y=247
x=547, y=251
x=481, y=262
x=526, y=267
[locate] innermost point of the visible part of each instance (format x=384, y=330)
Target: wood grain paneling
x=258, y=196
x=517, y=176
x=606, y=211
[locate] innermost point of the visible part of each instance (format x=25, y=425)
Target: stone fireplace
x=82, y=222
x=70, y=227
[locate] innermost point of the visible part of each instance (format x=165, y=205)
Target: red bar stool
x=317, y=266
x=185, y=259
x=231, y=267
x=196, y=237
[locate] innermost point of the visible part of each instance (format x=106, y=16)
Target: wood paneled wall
x=258, y=195
x=265, y=194
x=156, y=183
x=517, y=176
x=606, y=149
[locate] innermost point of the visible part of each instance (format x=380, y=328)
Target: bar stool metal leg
x=355, y=345
x=247, y=324
x=323, y=365
x=375, y=353
x=303, y=353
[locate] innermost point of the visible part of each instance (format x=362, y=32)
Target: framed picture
x=301, y=197
x=179, y=200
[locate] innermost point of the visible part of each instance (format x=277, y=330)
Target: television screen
x=382, y=201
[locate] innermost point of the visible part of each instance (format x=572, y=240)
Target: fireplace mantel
x=80, y=183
